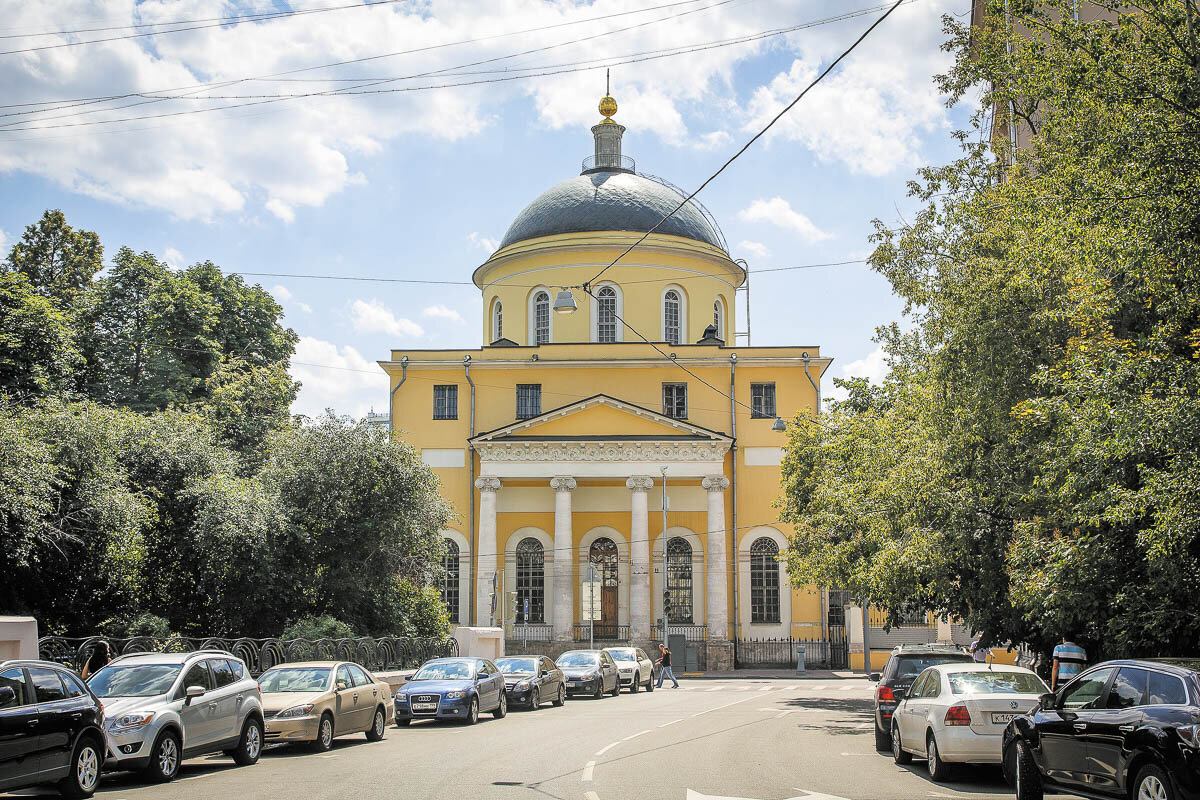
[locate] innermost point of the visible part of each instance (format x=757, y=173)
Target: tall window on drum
x=672, y=305
x=531, y=581
x=764, y=581
x=497, y=321
x=541, y=318
x=453, y=571
x=606, y=314
x=679, y=581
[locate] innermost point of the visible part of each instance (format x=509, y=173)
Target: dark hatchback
x=532, y=680
x=1119, y=729
x=590, y=672
x=50, y=729
x=903, y=666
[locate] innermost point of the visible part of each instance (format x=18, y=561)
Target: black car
x=1119, y=729
x=903, y=666
x=590, y=672
x=532, y=680
x=50, y=729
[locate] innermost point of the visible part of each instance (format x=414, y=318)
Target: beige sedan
x=315, y=701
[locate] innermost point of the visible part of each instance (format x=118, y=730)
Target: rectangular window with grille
x=762, y=401
x=675, y=400
x=445, y=401
x=529, y=400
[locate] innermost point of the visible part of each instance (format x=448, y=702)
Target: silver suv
x=160, y=708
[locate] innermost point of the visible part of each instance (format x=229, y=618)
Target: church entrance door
x=604, y=555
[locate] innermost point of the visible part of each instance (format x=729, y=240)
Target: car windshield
x=578, y=660
x=623, y=653
x=517, y=666
x=295, y=679
x=444, y=670
x=912, y=666
x=134, y=680
x=996, y=683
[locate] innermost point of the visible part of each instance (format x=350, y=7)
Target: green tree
x=58, y=260
x=38, y=356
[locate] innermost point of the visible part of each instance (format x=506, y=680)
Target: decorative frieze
x=602, y=451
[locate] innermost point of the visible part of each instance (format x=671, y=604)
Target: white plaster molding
x=639, y=483
x=487, y=483
x=444, y=458
x=715, y=483
x=783, y=628
x=612, y=451
x=563, y=483
x=763, y=456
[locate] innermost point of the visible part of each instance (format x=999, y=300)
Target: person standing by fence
x=664, y=662
x=1069, y=661
x=101, y=655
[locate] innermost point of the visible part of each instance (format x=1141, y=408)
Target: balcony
x=531, y=632
x=608, y=162
x=693, y=633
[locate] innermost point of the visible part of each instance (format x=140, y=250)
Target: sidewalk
x=776, y=675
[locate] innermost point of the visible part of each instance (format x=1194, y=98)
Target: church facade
x=591, y=399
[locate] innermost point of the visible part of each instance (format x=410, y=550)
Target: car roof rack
x=186, y=655
x=34, y=662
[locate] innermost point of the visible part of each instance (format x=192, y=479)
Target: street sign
x=590, y=594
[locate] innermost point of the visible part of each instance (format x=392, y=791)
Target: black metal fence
x=376, y=653
x=830, y=653
x=604, y=632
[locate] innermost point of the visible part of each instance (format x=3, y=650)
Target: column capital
x=487, y=484
x=715, y=483
x=563, y=483
x=639, y=483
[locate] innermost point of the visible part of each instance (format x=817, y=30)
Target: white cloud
x=483, y=243
x=281, y=292
x=174, y=258
x=372, y=316
x=873, y=367
x=3, y=244
x=305, y=307
x=443, y=312
x=343, y=381
x=711, y=141
x=757, y=249
x=779, y=212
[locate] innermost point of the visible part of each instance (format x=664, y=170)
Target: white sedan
x=636, y=668
x=957, y=713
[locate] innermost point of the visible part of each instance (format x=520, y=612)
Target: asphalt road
x=764, y=739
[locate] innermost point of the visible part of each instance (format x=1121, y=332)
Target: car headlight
x=456, y=694
x=400, y=696
x=521, y=686
x=593, y=676
x=295, y=711
x=129, y=722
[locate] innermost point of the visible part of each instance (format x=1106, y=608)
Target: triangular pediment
x=601, y=418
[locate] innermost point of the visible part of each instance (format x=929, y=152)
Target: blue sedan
x=452, y=688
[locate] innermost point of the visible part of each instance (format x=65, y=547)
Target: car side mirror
x=1048, y=702
x=7, y=696
x=874, y=677
x=192, y=692
x=899, y=694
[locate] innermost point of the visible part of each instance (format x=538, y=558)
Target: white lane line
x=765, y=688
x=863, y=726
x=672, y=722
x=198, y=777
x=587, y=772
x=634, y=736
x=727, y=705
x=848, y=688
x=590, y=796
x=782, y=714
x=715, y=689
x=816, y=688
x=606, y=748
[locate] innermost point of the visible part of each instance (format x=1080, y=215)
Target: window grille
x=445, y=402
x=606, y=314
x=764, y=581
x=529, y=400
x=671, y=309
x=675, y=400
x=679, y=581
x=762, y=401
x=541, y=318
x=717, y=319
x=450, y=579
x=531, y=581
x=497, y=321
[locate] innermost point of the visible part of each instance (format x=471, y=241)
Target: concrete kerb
x=775, y=675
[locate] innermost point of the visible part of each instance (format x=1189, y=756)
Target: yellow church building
x=555, y=439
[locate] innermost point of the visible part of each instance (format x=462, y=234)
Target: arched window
x=719, y=318
x=531, y=580
x=603, y=555
x=450, y=579
x=541, y=318
x=606, y=314
x=764, y=580
x=497, y=321
x=679, y=581
x=672, y=311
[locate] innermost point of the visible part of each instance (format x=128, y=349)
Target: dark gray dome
x=610, y=201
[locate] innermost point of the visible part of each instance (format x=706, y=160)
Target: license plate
x=424, y=706
x=1003, y=719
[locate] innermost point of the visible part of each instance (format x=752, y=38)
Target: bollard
x=800, y=658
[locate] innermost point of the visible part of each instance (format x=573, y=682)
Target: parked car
x=315, y=701
x=590, y=672
x=532, y=680
x=957, y=713
x=1120, y=729
x=51, y=729
x=634, y=667
x=452, y=688
x=904, y=664
x=161, y=708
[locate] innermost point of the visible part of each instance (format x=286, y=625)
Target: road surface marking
x=848, y=688
x=672, y=722
x=715, y=689
x=606, y=748
x=587, y=772
x=197, y=777
x=634, y=736
x=591, y=796
x=815, y=795
x=782, y=714
x=727, y=705
x=765, y=688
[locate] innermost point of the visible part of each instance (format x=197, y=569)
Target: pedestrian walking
x=101, y=655
x=664, y=661
x=1069, y=659
x=982, y=655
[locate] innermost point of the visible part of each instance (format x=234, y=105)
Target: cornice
x=602, y=451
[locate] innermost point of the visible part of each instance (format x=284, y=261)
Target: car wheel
x=599, y=689
x=250, y=746
x=164, y=758
x=899, y=754
x=883, y=741
x=634, y=685
x=616, y=687
x=85, y=770
x=1026, y=779
x=378, y=726
x=502, y=708
x=324, y=740
x=472, y=712
x=403, y=723
x=650, y=682
x=561, y=700
x=535, y=699
x=1153, y=784
x=939, y=770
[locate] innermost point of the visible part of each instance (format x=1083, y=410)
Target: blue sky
x=422, y=184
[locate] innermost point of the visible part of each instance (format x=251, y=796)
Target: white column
x=639, y=558
x=718, y=606
x=485, y=547
x=564, y=559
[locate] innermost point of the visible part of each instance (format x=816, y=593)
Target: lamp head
x=779, y=426
x=564, y=302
